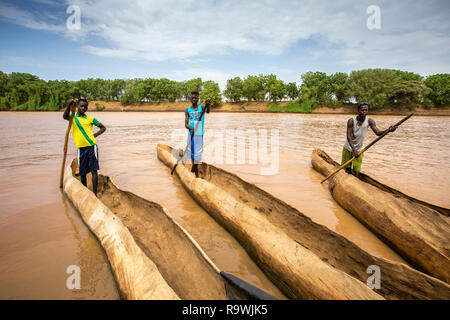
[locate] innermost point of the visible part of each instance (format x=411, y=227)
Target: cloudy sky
x=221, y=39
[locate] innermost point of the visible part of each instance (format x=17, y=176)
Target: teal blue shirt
x=194, y=116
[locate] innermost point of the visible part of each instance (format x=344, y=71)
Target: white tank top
x=359, y=133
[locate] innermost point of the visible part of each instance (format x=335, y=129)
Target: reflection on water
x=41, y=234
x=90, y=257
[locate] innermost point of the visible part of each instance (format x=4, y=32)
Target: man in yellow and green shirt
x=85, y=141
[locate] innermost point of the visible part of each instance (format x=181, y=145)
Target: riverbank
x=252, y=107
x=258, y=107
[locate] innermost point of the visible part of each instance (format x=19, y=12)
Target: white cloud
x=26, y=19
x=414, y=35
x=167, y=30
x=48, y=2
x=157, y=30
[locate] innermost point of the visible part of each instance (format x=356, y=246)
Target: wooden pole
x=363, y=150
x=66, y=139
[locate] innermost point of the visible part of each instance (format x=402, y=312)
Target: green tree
x=84, y=88
x=183, y=91
x=139, y=90
x=193, y=85
x=274, y=88
x=211, y=91
x=17, y=88
x=16, y=78
x=307, y=98
x=375, y=86
x=116, y=89
x=410, y=92
x=314, y=90
x=319, y=87
x=234, y=89
x=253, y=88
x=408, y=76
x=440, y=89
x=379, y=87
x=128, y=94
x=3, y=83
x=173, y=92
x=292, y=90
x=339, y=88
x=160, y=90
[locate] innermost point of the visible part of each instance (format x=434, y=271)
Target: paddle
x=253, y=293
x=363, y=150
x=66, y=139
x=190, y=138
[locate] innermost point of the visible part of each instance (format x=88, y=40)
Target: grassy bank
x=291, y=107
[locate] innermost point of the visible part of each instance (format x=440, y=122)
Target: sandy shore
x=258, y=107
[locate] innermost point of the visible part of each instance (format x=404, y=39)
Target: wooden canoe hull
x=294, y=269
x=298, y=254
x=152, y=257
x=136, y=275
x=418, y=231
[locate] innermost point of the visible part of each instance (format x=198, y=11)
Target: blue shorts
x=88, y=159
x=197, y=146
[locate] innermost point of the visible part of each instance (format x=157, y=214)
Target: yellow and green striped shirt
x=82, y=130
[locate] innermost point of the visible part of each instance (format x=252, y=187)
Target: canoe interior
x=399, y=280
x=179, y=261
x=367, y=179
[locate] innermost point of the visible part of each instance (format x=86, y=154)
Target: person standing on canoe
x=192, y=118
x=356, y=131
x=85, y=140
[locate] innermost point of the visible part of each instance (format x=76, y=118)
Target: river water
x=41, y=234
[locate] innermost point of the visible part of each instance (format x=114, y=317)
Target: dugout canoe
x=152, y=257
x=416, y=230
x=304, y=259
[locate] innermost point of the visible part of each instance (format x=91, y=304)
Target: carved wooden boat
x=151, y=255
x=416, y=230
x=303, y=258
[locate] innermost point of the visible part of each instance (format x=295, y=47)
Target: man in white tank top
x=356, y=132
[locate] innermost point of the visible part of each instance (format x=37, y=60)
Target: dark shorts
x=88, y=159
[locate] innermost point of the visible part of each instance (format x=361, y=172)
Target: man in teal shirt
x=193, y=122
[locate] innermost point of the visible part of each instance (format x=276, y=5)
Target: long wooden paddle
x=190, y=139
x=252, y=292
x=66, y=139
x=363, y=150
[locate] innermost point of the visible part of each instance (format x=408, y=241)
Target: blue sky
x=218, y=40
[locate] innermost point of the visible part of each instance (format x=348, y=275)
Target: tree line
x=379, y=87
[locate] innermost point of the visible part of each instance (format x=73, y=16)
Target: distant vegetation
x=99, y=107
x=381, y=88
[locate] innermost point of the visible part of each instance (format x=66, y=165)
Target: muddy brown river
x=41, y=234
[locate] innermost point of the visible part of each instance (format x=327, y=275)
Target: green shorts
x=347, y=155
